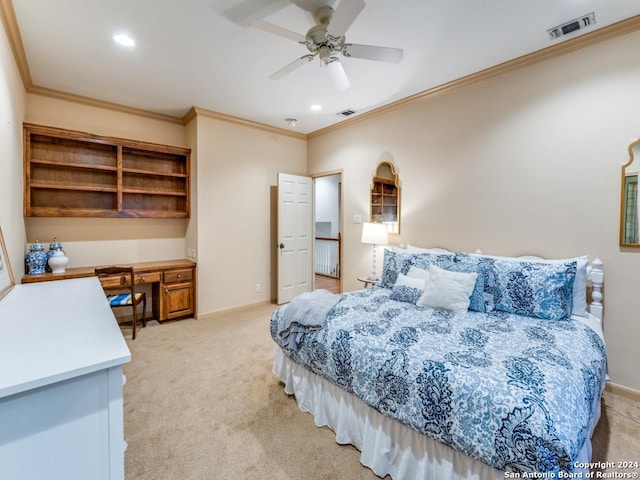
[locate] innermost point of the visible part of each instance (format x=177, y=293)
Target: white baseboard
x=623, y=391
x=227, y=311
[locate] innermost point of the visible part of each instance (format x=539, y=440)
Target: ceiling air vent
x=571, y=26
x=346, y=113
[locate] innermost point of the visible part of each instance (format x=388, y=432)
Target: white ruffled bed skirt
x=387, y=447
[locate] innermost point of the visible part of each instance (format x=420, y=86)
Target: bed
x=454, y=366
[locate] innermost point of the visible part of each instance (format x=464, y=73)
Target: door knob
x=281, y=246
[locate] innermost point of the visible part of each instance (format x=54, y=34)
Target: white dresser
x=61, y=383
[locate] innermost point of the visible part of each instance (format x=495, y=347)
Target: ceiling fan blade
x=344, y=16
x=291, y=67
x=337, y=75
x=276, y=30
x=311, y=6
x=371, y=52
x=249, y=10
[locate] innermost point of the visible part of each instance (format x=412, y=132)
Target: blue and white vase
x=36, y=259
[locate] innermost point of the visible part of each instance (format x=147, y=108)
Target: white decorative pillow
x=421, y=273
x=407, y=289
x=448, y=290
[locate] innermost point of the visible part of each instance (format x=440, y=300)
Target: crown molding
x=8, y=15
x=94, y=102
x=623, y=27
x=203, y=112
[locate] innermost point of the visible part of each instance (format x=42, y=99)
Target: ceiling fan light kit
x=337, y=74
x=326, y=40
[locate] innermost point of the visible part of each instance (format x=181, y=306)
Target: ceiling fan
x=326, y=39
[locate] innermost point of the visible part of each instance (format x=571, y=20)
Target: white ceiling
x=189, y=52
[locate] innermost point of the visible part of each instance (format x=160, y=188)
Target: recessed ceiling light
x=315, y=107
x=124, y=39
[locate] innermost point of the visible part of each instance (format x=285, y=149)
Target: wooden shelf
x=76, y=174
x=153, y=172
x=37, y=161
x=384, y=200
x=154, y=192
x=88, y=188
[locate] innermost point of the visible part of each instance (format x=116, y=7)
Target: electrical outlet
x=357, y=218
x=258, y=288
x=191, y=253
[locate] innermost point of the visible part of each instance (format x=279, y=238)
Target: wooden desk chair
x=110, y=283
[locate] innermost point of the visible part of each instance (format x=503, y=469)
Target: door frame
x=330, y=173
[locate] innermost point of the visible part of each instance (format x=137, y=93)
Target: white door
x=295, y=236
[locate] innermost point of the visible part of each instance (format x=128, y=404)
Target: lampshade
x=375, y=233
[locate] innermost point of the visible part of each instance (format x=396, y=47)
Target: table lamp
x=374, y=234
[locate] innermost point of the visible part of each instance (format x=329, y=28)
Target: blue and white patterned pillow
x=407, y=289
x=394, y=263
x=400, y=262
x=425, y=260
x=534, y=289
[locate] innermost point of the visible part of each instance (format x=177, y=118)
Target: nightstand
x=368, y=281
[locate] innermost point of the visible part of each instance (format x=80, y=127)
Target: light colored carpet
x=201, y=402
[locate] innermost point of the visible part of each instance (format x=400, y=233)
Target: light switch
x=357, y=218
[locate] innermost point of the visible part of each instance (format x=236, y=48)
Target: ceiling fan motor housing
x=318, y=38
x=323, y=15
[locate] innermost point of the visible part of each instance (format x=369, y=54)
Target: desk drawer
x=114, y=281
x=149, y=277
x=178, y=276
x=140, y=278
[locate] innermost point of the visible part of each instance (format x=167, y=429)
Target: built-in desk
x=173, y=284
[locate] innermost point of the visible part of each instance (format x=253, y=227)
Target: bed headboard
x=596, y=276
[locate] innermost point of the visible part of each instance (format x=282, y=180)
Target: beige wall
x=526, y=163
x=237, y=168
x=233, y=169
x=12, y=106
x=97, y=241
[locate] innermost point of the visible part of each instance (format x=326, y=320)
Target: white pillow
x=414, y=249
x=408, y=281
x=415, y=272
x=448, y=290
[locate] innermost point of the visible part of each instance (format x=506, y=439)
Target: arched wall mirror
x=629, y=207
x=385, y=197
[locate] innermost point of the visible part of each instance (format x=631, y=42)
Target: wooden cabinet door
x=177, y=300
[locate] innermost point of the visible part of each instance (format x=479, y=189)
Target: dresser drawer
x=178, y=276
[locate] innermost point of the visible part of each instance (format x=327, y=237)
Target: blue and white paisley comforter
x=515, y=392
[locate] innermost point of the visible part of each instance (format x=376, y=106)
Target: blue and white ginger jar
x=36, y=259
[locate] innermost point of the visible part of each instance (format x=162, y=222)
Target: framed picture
x=6, y=276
